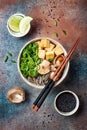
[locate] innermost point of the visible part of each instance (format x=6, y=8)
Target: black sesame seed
x=66, y=102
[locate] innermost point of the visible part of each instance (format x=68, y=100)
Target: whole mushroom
x=16, y=95
x=57, y=61
x=44, y=67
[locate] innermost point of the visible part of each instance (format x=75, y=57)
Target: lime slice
x=24, y=24
x=14, y=22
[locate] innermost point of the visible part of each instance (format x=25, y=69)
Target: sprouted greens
x=29, y=61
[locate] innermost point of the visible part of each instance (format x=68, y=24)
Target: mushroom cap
x=52, y=75
x=44, y=67
x=16, y=95
x=57, y=61
x=53, y=68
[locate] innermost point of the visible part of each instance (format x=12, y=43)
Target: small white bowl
x=42, y=86
x=71, y=112
x=18, y=34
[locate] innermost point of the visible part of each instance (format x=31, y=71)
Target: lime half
x=14, y=22
x=24, y=24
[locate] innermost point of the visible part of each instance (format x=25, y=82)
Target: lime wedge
x=24, y=24
x=14, y=22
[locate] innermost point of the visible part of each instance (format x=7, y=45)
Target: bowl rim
x=17, y=34
x=42, y=86
x=71, y=112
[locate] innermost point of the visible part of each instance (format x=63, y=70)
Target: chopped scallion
x=6, y=59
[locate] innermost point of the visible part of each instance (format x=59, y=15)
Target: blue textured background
x=72, y=17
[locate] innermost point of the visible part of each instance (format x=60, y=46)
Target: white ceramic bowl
x=42, y=86
x=18, y=34
x=71, y=112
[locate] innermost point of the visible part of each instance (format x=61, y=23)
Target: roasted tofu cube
x=58, y=50
x=39, y=44
x=49, y=55
x=50, y=48
x=45, y=43
x=52, y=45
x=41, y=54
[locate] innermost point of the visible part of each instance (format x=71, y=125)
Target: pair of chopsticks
x=45, y=91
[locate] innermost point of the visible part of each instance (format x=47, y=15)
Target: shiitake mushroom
x=16, y=95
x=57, y=61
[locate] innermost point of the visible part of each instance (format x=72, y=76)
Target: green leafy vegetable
x=6, y=59
x=55, y=23
x=56, y=34
x=51, y=59
x=9, y=53
x=29, y=62
x=64, y=32
x=13, y=61
x=33, y=72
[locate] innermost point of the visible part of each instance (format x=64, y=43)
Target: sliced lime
x=24, y=24
x=14, y=22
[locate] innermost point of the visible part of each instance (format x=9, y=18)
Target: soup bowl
x=65, y=71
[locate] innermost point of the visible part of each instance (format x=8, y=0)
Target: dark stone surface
x=72, y=17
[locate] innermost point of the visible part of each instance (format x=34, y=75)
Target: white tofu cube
x=39, y=44
x=41, y=54
x=50, y=48
x=45, y=43
x=52, y=45
x=58, y=50
x=49, y=55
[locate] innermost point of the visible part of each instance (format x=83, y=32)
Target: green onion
x=64, y=32
x=56, y=34
x=6, y=59
x=55, y=23
x=9, y=53
x=51, y=59
x=13, y=61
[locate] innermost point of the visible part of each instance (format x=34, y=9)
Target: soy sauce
x=66, y=102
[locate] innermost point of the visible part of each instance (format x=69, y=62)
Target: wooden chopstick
x=59, y=70
x=42, y=96
x=40, y=102
x=42, y=92
x=66, y=58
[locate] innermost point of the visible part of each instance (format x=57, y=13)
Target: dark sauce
x=66, y=102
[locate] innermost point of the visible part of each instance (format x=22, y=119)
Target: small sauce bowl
x=66, y=103
x=18, y=34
